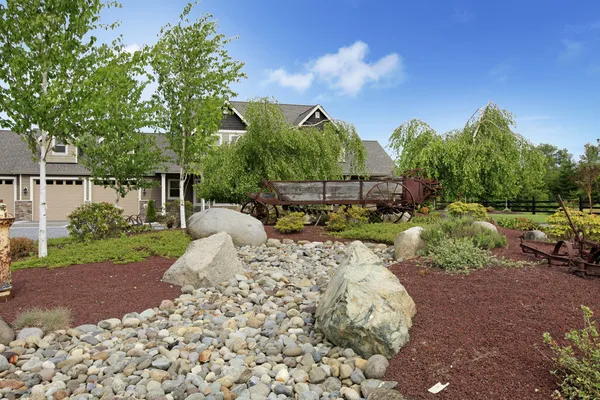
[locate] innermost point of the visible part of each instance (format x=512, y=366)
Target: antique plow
x=581, y=256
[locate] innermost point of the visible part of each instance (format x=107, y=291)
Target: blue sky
x=379, y=63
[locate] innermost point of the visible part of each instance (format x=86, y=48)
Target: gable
x=317, y=117
x=232, y=122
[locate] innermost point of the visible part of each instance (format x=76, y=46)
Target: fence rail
x=531, y=205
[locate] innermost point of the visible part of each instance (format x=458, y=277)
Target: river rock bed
x=252, y=337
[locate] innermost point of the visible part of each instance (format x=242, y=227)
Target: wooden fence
x=532, y=205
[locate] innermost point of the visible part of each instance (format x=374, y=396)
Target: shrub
x=48, y=320
x=521, y=223
x=293, y=222
x=424, y=210
x=337, y=221
x=462, y=228
x=426, y=219
x=588, y=224
x=172, y=218
x=459, y=255
x=21, y=247
x=578, y=364
x=151, y=212
x=94, y=221
x=473, y=210
x=382, y=232
x=346, y=217
x=356, y=215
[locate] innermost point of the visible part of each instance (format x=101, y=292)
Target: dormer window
x=318, y=114
x=59, y=147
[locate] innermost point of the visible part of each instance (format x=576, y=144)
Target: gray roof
x=293, y=113
x=378, y=162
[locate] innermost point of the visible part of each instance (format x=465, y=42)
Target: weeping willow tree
x=486, y=159
x=273, y=149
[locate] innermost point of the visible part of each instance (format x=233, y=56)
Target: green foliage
x=559, y=170
x=485, y=159
x=273, y=149
x=383, y=232
x=194, y=73
x=95, y=221
x=459, y=209
x=461, y=228
x=588, y=224
x=337, y=221
x=171, y=218
x=519, y=223
x=429, y=219
x=588, y=171
x=459, y=255
x=121, y=250
x=21, y=247
x=578, y=363
x=291, y=223
x=346, y=217
x=48, y=320
x=151, y=212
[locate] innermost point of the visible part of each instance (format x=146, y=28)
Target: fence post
x=533, y=205
x=508, y=205
x=580, y=203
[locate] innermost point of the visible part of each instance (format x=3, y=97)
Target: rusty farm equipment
x=391, y=200
x=581, y=256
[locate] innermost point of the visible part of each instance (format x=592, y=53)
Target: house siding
x=70, y=157
x=232, y=123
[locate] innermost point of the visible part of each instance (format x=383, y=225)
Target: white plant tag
x=438, y=387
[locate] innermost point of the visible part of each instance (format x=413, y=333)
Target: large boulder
x=206, y=263
x=408, y=243
x=244, y=229
x=365, y=307
x=7, y=335
x=535, y=235
x=486, y=225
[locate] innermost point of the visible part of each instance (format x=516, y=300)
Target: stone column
x=6, y=220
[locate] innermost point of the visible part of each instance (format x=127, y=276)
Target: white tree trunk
x=42, y=236
x=182, y=198
x=117, y=198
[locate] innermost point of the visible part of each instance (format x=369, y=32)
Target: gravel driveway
x=29, y=229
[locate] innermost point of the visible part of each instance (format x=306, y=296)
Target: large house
x=69, y=183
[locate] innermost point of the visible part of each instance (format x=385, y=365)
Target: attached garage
x=129, y=204
x=63, y=196
x=7, y=194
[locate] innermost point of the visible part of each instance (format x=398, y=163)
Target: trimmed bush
x=459, y=255
x=346, y=217
x=22, y=247
x=460, y=228
x=48, y=320
x=459, y=209
x=588, y=224
x=578, y=363
x=337, y=221
x=521, y=223
x=95, y=221
x=151, y=212
x=291, y=223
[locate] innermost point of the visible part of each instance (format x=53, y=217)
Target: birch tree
x=47, y=47
x=115, y=149
x=194, y=73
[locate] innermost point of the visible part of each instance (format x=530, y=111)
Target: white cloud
x=299, y=82
x=501, y=72
x=571, y=50
x=132, y=48
x=346, y=71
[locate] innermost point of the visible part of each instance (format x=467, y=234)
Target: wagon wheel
x=393, y=201
x=265, y=213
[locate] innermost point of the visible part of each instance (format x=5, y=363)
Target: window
x=233, y=138
x=173, y=189
x=59, y=148
x=318, y=114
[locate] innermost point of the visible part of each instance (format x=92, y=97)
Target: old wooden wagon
x=392, y=200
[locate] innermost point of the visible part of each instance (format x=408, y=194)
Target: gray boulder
x=486, y=225
x=7, y=335
x=535, y=235
x=365, y=307
x=206, y=263
x=245, y=230
x=408, y=243
x=30, y=332
x=386, y=394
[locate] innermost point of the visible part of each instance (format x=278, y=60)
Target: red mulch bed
x=482, y=332
x=310, y=233
x=93, y=292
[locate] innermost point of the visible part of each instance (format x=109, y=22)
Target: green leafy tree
x=485, y=159
x=47, y=48
x=588, y=171
x=559, y=171
x=194, y=73
x=116, y=151
x=273, y=149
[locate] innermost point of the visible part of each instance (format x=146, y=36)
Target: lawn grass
x=126, y=249
x=380, y=232
x=539, y=218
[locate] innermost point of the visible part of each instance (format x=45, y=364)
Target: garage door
x=7, y=194
x=62, y=195
x=129, y=203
